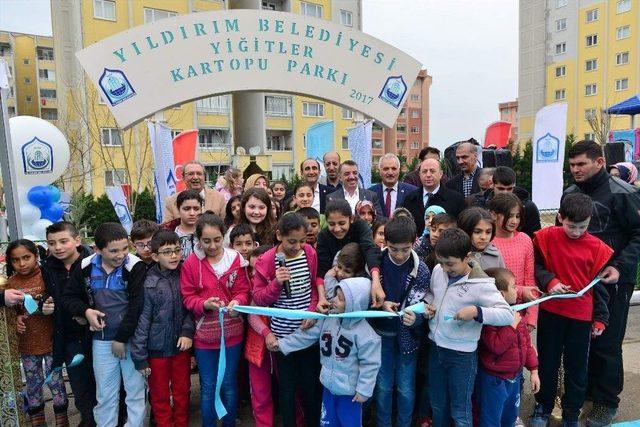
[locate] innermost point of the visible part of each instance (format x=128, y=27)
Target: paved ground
x=629, y=406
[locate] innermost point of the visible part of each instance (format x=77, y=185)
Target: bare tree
x=600, y=124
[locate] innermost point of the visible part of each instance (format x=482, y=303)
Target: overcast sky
x=469, y=47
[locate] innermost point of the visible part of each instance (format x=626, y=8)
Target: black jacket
x=359, y=232
x=56, y=278
x=449, y=200
x=455, y=183
x=78, y=296
x=531, y=220
x=615, y=219
x=164, y=318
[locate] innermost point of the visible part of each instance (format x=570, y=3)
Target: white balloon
x=39, y=229
x=40, y=151
x=31, y=237
x=29, y=214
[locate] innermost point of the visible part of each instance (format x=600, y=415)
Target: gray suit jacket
x=364, y=195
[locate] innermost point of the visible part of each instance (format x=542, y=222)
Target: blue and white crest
x=123, y=213
x=37, y=157
x=393, y=91
x=171, y=183
x=547, y=149
x=115, y=86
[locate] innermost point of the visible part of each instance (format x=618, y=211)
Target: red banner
x=184, y=150
x=497, y=135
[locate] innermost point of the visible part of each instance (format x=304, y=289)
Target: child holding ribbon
x=35, y=333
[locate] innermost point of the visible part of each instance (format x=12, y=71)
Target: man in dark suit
x=350, y=190
x=391, y=193
x=466, y=182
x=432, y=193
x=413, y=177
x=310, y=171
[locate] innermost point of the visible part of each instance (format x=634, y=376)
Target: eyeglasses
x=140, y=246
x=170, y=252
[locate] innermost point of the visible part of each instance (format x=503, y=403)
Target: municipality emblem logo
x=37, y=157
x=115, y=86
x=393, y=91
x=171, y=183
x=123, y=213
x=547, y=149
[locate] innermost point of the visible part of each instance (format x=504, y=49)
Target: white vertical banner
x=119, y=202
x=163, y=172
x=359, y=141
x=549, y=136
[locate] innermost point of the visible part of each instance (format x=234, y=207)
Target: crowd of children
x=139, y=319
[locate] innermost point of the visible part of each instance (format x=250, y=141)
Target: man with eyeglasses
x=194, y=178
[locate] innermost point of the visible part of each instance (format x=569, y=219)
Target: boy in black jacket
x=108, y=291
x=71, y=335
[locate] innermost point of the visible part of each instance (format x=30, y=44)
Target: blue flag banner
x=119, y=202
x=360, y=147
x=163, y=172
x=319, y=138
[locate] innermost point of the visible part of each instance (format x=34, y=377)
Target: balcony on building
x=279, y=141
x=279, y=112
x=213, y=105
x=214, y=139
x=48, y=98
x=45, y=58
x=277, y=5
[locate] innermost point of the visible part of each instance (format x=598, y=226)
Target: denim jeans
x=108, y=370
x=208, y=367
x=497, y=399
x=397, y=370
x=451, y=378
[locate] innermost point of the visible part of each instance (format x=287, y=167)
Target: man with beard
x=351, y=190
x=193, y=176
x=466, y=182
x=331, y=162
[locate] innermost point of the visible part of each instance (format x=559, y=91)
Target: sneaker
x=519, y=422
x=539, y=418
x=601, y=416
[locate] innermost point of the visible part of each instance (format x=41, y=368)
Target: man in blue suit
x=391, y=192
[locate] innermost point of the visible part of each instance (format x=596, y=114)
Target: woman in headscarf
x=626, y=171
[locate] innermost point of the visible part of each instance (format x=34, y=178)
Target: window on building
x=175, y=132
x=114, y=178
x=589, y=113
x=347, y=114
x=28, y=98
x=592, y=40
x=402, y=113
x=48, y=93
x=310, y=9
x=561, y=3
x=49, y=75
x=415, y=97
x=561, y=48
x=213, y=104
x=415, y=145
x=27, y=81
x=5, y=49
x=415, y=129
x=590, y=89
x=278, y=143
x=415, y=114
x=592, y=15
x=210, y=139
x=111, y=137
x=312, y=109
x=376, y=143
x=590, y=136
x=399, y=145
x=280, y=171
x=11, y=111
x=267, y=5
x=561, y=24
x=591, y=65
x=104, y=9
x=277, y=106
x=376, y=127
x=11, y=92
x=346, y=18
x=49, y=114
x=345, y=143
x=622, y=84
x=560, y=94
x=561, y=71
x=401, y=128
x=622, y=58
x=623, y=6
x=623, y=32
x=45, y=53
x=152, y=15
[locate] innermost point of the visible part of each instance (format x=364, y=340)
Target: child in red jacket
x=567, y=259
x=291, y=286
x=212, y=277
x=503, y=352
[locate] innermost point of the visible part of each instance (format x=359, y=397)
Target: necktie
x=426, y=199
x=387, y=203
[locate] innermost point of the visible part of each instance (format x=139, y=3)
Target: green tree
x=145, y=206
x=101, y=212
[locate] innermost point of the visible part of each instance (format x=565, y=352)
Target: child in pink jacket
x=213, y=277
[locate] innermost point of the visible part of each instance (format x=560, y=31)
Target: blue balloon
x=52, y=212
x=40, y=196
x=54, y=194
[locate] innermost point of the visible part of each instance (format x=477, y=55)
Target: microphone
x=285, y=284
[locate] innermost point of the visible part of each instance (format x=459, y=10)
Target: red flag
x=126, y=189
x=497, y=135
x=184, y=150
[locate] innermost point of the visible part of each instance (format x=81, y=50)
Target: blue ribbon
x=221, y=411
x=578, y=294
x=77, y=359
